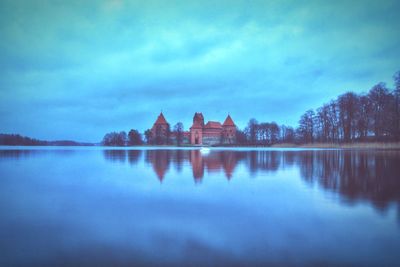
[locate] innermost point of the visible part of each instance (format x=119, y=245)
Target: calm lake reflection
x=111, y=207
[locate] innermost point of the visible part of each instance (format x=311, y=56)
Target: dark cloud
x=76, y=70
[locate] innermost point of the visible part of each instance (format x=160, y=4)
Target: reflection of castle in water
x=212, y=162
x=355, y=175
x=160, y=160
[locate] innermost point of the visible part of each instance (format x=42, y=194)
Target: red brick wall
x=196, y=133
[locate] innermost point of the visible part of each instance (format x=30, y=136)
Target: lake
x=92, y=206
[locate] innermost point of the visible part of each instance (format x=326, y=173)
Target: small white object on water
x=204, y=150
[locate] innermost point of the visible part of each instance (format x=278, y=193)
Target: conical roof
x=161, y=119
x=228, y=121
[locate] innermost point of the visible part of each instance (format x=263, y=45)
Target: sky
x=79, y=69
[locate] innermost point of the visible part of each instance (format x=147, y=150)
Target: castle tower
x=160, y=130
x=199, y=118
x=229, y=131
x=196, y=131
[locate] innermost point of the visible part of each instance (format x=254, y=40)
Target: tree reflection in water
x=27, y=153
x=121, y=155
x=370, y=175
x=355, y=175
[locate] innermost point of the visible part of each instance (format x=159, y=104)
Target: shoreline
x=363, y=145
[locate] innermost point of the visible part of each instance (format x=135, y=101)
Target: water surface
x=116, y=207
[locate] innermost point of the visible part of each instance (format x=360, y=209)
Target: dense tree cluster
x=355, y=117
x=178, y=132
x=18, y=140
x=265, y=133
x=134, y=138
x=374, y=116
x=115, y=139
x=148, y=136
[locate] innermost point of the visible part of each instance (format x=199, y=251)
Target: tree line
x=135, y=138
x=19, y=140
x=374, y=116
x=351, y=117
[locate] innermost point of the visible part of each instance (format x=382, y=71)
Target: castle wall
x=185, y=140
x=211, y=140
x=229, y=135
x=212, y=136
x=196, y=136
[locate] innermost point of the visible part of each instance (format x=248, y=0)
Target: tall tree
x=241, y=138
x=122, y=139
x=396, y=78
x=364, y=120
x=274, y=131
x=252, y=131
x=262, y=130
x=148, y=135
x=134, y=138
x=348, y=104
x=287, y=134
x=178, y=131
x=306, y=127
x=379, y=97
x=333, y=118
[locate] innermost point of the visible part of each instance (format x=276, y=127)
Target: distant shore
x=363, y=145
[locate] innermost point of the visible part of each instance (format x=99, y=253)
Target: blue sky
x=78, y=69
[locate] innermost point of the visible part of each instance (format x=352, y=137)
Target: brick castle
x=211, y=133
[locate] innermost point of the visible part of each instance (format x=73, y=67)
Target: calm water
x=95, y=207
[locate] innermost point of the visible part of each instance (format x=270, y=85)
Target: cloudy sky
x=78, y=69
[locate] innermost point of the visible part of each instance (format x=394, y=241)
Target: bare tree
x=306, y=127
x=241, y=138
x=287, y=134
x=348, y=104
x=364, y=122
x=148, y=136
x=396, y=78
x=252, y=131
x=178, y=131
x=379, y=96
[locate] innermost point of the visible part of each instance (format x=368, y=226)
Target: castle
x=211, y=133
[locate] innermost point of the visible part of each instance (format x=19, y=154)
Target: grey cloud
x=113, y=65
